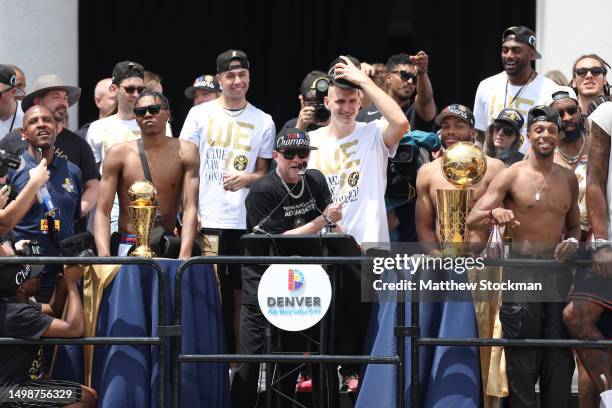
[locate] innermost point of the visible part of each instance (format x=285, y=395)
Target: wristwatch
x=600, y=243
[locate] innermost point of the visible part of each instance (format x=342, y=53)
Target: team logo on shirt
x=353, y=178
x=68, y=185
x=240, y=162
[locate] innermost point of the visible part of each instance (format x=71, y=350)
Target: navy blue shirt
x=65, y=188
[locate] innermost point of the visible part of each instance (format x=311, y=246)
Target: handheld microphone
x=302, y=168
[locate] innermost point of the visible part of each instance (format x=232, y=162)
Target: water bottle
x=42, y=195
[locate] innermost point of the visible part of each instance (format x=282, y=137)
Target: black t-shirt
x=270, y=206
x=68, y=145
x=24, y=321
x=416, y=122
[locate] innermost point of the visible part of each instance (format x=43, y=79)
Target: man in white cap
x=52, y=92
x=11, y=116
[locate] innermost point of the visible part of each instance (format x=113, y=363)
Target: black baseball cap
x=542, y=113
x=13, y=275
x=311, y=82
x=238, y=58
x=457, y=110
x=8, y=77
x=521, y=34
x=205, y=82
x=511, y=117
x=343, y=83
x=127, y=69
x=293, y=138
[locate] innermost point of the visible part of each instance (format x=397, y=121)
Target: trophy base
x=143, y=251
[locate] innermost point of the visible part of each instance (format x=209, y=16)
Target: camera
x=32, y=249
x=9, y=161
x=78, y=245
x=314, y=98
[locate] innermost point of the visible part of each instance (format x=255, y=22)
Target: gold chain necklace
x=572, y=160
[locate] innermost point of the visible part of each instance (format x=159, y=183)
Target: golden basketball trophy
x=464, y=164
x=142, y=196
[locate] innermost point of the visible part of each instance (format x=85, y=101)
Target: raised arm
x=424, y=101
x=108, y=188
x=73, y=325
x=488, y=208
x=191, y=184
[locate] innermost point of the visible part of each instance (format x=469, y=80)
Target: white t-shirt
x=227, y=144
x=490, y=100
x=603, y=117
x=355, y=168
x=106, y=132
x=5, y=125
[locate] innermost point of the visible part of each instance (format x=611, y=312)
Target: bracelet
x=422, y=71
x=572, y=240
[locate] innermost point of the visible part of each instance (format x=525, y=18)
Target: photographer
x=22, y=318
x=313, y=113
x=64, y=193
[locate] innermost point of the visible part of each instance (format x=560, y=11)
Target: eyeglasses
x=130, y=89
x=506, y=130
x=570, y=111
x=406, y=76
x=152, y=109
x=290, y=154
x=595, y=71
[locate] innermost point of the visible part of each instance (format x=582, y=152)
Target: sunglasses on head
x=290, y=154
x=570, y=111
x=405, y=75
x=130, y=89
x=595, y=71
x=152, y=109
x=506, y=130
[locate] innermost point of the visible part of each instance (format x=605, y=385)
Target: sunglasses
x=152, y=109
x=405, y=75
x=595, y=71
x=290, y=154
x=506, y=130
x=570, y=111
x=130, y=89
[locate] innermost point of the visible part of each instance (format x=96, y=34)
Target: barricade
x=159, y=340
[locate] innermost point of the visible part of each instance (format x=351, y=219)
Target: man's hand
x=421, y=61
x=602, y=262
x=39, y=174
x=349, y=71
x=503, y=216
x=4, y=196
x=72, y=273
x=305, y=118
x=367, y=69
x=235, y=181
x=334, y=212
x=20, y=246
x=565, y=250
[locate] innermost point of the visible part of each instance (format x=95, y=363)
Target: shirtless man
x=539, y=200
x=174, y=166
x=456, y=125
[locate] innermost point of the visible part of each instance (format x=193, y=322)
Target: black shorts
x=43, y=393
x=590, y=286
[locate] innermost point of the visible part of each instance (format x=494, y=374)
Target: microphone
x=302, y=166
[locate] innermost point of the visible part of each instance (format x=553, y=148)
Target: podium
x=331, y=244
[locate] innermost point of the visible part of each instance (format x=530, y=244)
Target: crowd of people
x=362, y=157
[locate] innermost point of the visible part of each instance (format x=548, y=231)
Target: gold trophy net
x=142, y=210
x=463, y=165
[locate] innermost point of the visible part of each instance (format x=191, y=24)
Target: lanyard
x=531, y=78
x=14, y=116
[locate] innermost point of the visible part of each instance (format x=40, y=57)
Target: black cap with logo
x=8, y=77
x=511, y=117
x=127, y=69
x=237, y=58
x=204, y=82
x=343, y=83
x=521, y=34
x=543, y=113
x=13, y=275
x=456, y=110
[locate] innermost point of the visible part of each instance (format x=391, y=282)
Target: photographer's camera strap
x=147, y=173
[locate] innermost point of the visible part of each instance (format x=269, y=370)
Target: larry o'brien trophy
x=463, y=165
x=142, y=196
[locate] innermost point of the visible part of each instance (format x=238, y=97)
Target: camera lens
x=322, y=85
x=321, y=114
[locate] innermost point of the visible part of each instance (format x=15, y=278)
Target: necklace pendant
x=537, y=196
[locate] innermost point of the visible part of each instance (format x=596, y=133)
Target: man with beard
x=539, y=200
x=64, y=186
x=518, y=86
x=174, y=166
x=456, y=125
x=52, y=92
x=589, y=314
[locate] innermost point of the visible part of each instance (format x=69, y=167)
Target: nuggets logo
x=240, y=162
x=295, y=280
x=68, y=186
x=208, y=78
x=353, y=178
x=512, y=115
